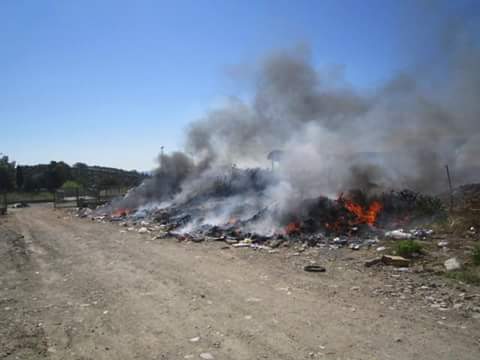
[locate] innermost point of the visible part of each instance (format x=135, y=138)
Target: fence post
x=77, y=196
x=5, y=202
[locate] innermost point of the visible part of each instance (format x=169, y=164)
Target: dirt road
x=75, y=289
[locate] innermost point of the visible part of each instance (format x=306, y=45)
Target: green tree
x=31, y=183
x=56, y=174
x=19, y=177
x=70, y=184
x=108, y=183
x=80, y=165
x=7, y=174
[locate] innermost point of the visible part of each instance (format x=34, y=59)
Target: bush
x=70, y=184
x=408, y=248
x=476, y=255
x=430, y=206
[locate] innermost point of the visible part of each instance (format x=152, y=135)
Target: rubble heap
x=353, y=219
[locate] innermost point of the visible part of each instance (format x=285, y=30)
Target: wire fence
x=62, y=198
x=85, y=198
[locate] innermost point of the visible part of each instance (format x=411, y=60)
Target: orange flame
x=364, y=216
x=293, y=227
x=121, y=212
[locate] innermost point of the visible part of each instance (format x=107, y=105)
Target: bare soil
x=75, y=289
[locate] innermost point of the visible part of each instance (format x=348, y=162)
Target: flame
x=364, y=215
x=121, y=212
x=293, y=227
x=232, y=221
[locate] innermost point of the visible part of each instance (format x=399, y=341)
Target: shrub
x=70, y=184
x=476, y=255
x=408, y=247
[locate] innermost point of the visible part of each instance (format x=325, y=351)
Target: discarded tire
x=314, y=268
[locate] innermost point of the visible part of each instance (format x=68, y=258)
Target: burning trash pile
x=321, y=138
x=236, y=209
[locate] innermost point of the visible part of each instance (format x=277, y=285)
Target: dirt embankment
x=74, y=289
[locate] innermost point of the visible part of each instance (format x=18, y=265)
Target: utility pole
x=161, y=158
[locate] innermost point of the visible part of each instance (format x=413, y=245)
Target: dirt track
x=74, y=289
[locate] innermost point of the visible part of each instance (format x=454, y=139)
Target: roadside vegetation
x=476, y=255
x=71, y=185
x=408, y=248
x=37, y=183
x=468, y=275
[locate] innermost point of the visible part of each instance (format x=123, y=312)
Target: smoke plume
x=331, y=136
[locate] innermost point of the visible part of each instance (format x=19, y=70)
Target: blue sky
x=108, y=82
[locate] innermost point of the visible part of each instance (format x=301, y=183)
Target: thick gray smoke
x=336, y=137
x=332, y=137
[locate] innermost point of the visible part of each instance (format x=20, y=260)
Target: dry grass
x=467, y=275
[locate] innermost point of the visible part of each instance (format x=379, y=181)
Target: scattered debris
x=452, y=264
x=422, y=233
x=20, y=205
x=396, y=261
x=84, y=212
x=314, y=268
x=241, y=244
x=373, y=262
x=398, y=235
x=442, y=244
x=354, y=246
x=353, y=220
x=207, y=356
